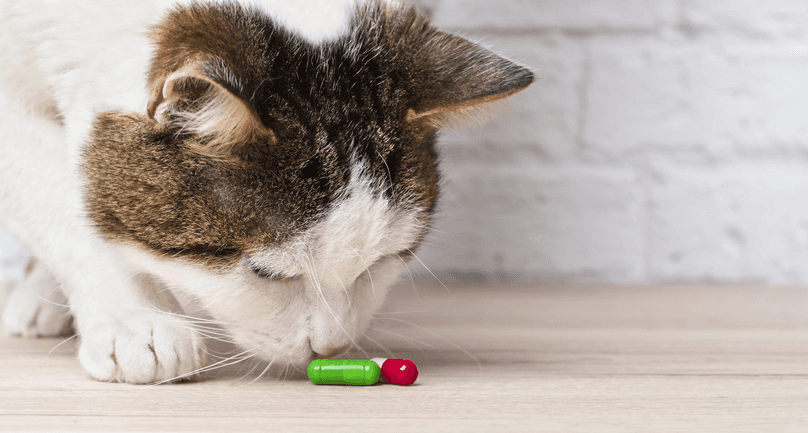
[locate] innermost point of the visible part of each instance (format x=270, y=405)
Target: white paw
x=142, y=351
x=36, y=308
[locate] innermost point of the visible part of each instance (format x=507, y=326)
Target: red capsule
x=397, y=371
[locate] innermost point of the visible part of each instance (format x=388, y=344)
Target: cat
x=272, y=163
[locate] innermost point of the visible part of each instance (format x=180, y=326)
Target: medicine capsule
x=397, y=371
x=343, y=372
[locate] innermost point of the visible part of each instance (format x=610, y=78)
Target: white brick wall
x=664, y=141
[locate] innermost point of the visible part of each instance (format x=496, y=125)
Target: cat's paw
x=36, y=308
x=147, y=351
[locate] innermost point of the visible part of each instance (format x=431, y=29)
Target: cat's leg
x=141, y=342
x=36, y=307
x=125, y=335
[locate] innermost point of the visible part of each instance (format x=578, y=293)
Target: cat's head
x=285, y=184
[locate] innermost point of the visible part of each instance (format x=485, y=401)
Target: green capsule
x=343, y=372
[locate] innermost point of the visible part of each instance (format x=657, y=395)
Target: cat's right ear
x=201, y=98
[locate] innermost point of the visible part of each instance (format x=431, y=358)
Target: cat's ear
x=456, y=76
x=202, y=98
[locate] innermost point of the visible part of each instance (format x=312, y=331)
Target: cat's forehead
x=359, y=227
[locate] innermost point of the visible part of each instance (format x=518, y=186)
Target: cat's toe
x=146, y=352
x=27, y=314
x=178, y=353
x=97, y=352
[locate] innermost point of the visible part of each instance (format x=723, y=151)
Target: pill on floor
x=343, y=372
x=397, y=371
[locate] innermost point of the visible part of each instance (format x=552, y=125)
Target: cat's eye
x=264, y=273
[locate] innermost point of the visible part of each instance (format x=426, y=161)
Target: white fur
x=315, y=20
x=38, y=308
x=63, y=62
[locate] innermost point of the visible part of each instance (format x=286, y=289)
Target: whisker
x=404, y=337
x=391, y=187
x=222, y=336
x=219, y=339
x=208, y=369
x=409, y=274
x=451, y=235
x=367, y=268
x=48, y=301
x=477, y=361
x=264, y=371
x=215, y=366
x=285, y=373
x=339, y=280
x=359, y=348
x=154, y=309
x=256, y=364
x=380, y=346
x=218, y=356
x=388, y=313
x=297, y=369
x=429, y=270
x=63, y=342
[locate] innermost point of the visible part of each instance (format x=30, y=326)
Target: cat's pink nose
x=329, y=351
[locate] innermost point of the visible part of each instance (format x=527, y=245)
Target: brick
x=542, y=121
x=777, y=18
x=750, y=96
x=637, y=96
x=720, y=95
x=744, y=221
x=549, y=14
x=539, y=223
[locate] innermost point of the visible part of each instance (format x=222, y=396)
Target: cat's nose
x=329, y=351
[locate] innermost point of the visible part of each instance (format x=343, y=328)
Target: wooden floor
x=491, y=359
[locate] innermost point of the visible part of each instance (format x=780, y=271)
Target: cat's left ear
x=456, y=76
x=202, y=98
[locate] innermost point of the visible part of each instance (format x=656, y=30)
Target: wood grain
x=491, y=358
